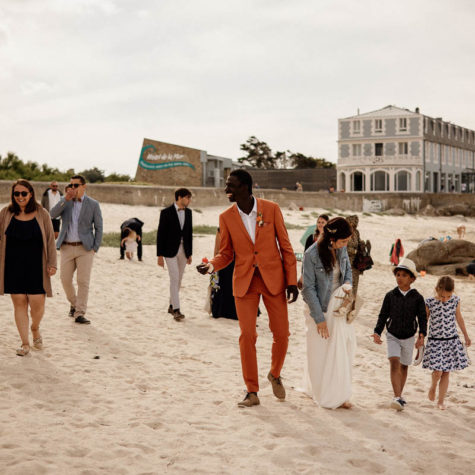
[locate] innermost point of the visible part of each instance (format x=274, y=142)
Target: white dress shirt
x=181, y=216
x=250, y=221
x=53, y=199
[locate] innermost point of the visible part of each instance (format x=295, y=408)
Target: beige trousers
x=176, y=267
x=76, y=258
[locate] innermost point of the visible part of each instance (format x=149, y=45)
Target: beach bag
x=363, y=260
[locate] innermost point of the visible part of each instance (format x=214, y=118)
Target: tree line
x=12, y=168
x=260, y=155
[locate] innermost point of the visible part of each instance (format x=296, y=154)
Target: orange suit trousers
x=247, y=308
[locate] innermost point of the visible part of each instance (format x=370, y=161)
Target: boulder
x=451, y=210
x=441, y=258
x=429, y=210
x=395, y=212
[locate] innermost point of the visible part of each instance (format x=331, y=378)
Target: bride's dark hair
x=336, y=228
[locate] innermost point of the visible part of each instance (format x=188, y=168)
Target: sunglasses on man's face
x=75, y=185
x=22, y=193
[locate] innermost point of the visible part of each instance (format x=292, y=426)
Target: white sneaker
x=397, y=404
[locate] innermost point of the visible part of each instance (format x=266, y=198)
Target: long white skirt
x=328, y=366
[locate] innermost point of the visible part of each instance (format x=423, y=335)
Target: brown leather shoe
x=251, y=399
x=277, y=386
x=178, y=316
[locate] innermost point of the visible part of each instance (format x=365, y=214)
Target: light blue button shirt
x=73, y=235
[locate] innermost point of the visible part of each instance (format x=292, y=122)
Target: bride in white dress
x=331, y=341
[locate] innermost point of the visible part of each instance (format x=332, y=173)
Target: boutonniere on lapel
x=260, y=219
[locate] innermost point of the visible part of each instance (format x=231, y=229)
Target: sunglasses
x=75, y=185
x=20, y=193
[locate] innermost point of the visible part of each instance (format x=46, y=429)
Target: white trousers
x=176, y=268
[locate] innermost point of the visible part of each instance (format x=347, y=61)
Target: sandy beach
x=138, y=393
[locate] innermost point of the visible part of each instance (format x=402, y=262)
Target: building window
x=357, y=181
x=378, y=149
x=356, y=150
x=403, y=125
x=356, y=127
x=380, y=181
x=403, y=148
x=378, y=125
x=454, y=132
x=447, y=130
x=402, y=181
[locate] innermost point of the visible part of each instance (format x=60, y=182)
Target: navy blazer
x=169, y=233
x=90, y=222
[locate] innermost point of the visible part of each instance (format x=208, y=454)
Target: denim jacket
x=317, y=284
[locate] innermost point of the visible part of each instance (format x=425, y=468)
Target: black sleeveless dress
x=24, y=258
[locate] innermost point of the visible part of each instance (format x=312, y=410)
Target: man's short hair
x=244, y=178
x=80, y=178
x=181, y=193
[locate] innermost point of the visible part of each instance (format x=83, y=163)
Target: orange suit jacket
x=272, y=251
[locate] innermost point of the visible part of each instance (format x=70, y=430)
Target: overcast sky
x=82, y=82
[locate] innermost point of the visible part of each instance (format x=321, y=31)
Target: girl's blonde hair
x=446, y=284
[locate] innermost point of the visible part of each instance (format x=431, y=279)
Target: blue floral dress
x=444, y=350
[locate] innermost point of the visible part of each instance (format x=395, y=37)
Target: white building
x=397, y=150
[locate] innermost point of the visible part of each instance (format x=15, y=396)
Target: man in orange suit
x=253, y=231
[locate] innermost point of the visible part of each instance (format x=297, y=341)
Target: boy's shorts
x=402, y=349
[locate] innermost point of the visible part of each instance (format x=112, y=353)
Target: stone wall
x=164, y=195
x=311, y=179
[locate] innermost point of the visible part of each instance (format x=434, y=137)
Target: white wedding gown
x=328, y=366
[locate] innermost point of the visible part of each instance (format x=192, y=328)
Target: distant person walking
x=175, y=245
x=355, y=246
x=49, y=200
x=27, y=260
x=396, y=252
x=79, y=239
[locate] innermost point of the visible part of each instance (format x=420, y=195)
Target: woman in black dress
x=27, y=260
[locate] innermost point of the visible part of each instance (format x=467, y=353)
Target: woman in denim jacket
x=331, y=340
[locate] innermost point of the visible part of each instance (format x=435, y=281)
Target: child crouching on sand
x=444, y=351
x=130, y=241
x=402, y=312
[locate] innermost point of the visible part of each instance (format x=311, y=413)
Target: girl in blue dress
x=444, y=351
